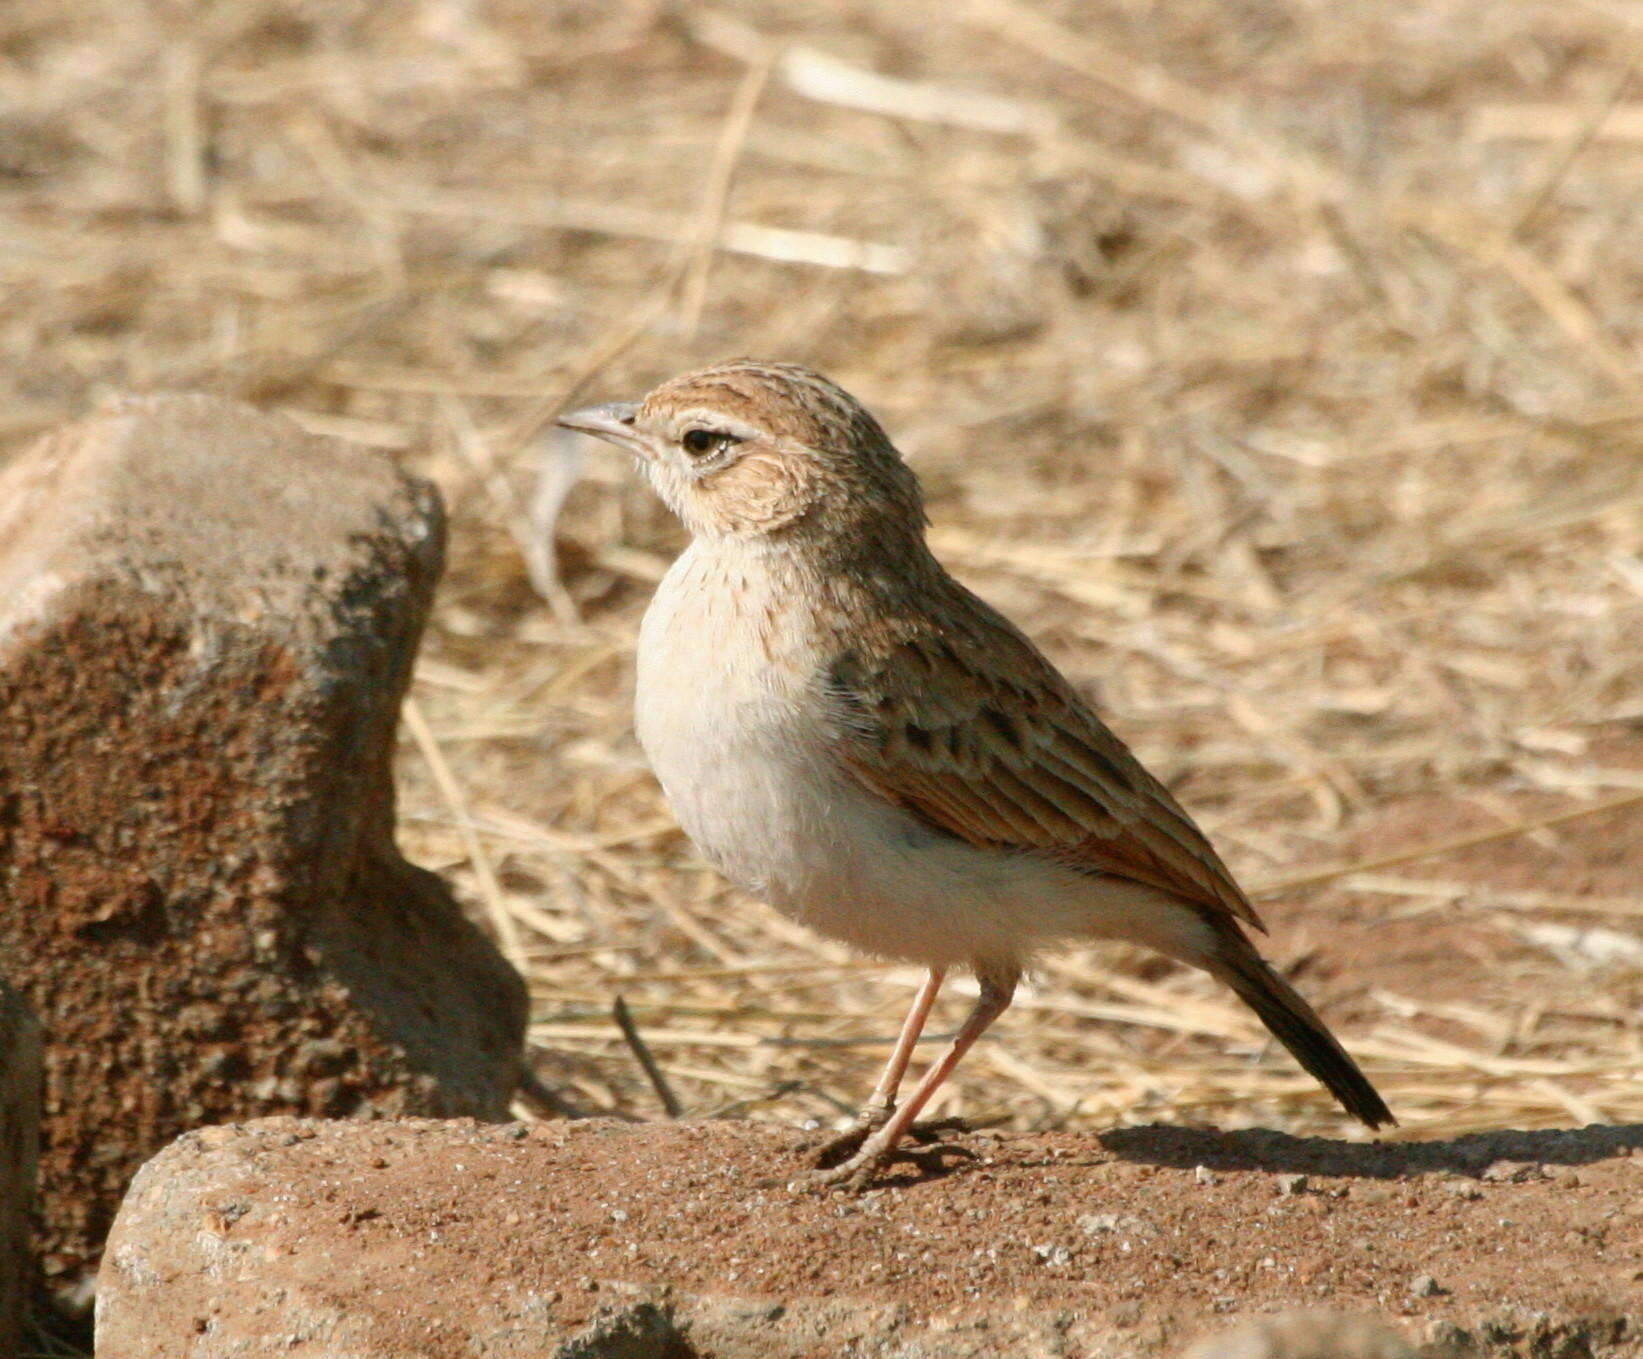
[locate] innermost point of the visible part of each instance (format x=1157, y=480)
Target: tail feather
x=1296, y=1025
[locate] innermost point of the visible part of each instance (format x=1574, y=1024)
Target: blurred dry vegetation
x=1279, y=366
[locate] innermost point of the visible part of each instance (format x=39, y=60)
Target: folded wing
x=966, y=726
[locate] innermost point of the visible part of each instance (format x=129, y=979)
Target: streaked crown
x=749, y=448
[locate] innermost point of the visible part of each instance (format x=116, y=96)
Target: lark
x=847, y=732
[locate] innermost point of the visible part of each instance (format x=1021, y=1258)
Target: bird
x=846, y=731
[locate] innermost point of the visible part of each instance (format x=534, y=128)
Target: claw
x=856, y=1173
x=852, y=1174
x=842, y=1147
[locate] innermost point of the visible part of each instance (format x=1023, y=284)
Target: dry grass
x=1277, y=366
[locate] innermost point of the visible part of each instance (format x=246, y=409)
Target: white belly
x=733, y=732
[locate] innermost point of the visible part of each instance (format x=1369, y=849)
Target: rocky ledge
x=419, y=1238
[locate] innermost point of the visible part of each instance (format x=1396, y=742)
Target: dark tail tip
x=1296, y=1025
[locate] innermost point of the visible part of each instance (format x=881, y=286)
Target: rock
x=19, y=1133
x=596, y=1238
x=1305, y=1335
x=207, y=623
x=1095, y=1224
x=1514, y=1172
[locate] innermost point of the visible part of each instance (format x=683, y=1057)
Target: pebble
x=1099, y=1224
x=1514, y=1172
x=1292, y=1184
x=1424, y=1286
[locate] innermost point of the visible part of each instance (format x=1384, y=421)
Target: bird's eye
x=700, y=441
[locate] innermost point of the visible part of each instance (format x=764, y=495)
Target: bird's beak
x=612, y=422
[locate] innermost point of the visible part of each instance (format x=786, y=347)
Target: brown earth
x=420, y=1238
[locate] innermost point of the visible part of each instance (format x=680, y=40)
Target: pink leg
x=996, y=993
x=883, y=1098
x=882, y=1102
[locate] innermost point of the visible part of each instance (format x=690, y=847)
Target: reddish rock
x=596, y=1239
x=207, y=623
x=19, y=1133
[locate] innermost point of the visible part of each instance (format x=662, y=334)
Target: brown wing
x=963, y=723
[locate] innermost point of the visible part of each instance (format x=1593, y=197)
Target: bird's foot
x=873, y=1153
x=843, y=1146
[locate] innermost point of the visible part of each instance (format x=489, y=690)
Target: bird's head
x=749, y=450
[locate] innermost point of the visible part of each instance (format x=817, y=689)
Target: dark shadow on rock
x=1263, y=1149
x=642, y=1331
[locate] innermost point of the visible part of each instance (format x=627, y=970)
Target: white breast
x=722, y=721
x=728, y=713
